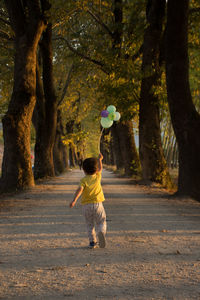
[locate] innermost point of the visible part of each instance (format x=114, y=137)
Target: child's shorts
x=94, y=215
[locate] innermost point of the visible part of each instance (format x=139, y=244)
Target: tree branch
x=96, y=62
x=45, y=5
x=136, y=55
x=5, y=36
x=34, y=7
x=5, y=21
x=16, y=15
x=194, y=10
x=99, y=21
x=66, y=85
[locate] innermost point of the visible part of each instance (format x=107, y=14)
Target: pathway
x=153, y=245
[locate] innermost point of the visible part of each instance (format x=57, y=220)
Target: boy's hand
x=72, y=204
x=76, y=196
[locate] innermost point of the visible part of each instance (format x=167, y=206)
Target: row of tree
x=103, y=52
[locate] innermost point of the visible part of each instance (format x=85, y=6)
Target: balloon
x=117, y=116
x=111, y=116
x=111, y=109
x=106, y=123
x=104, y=113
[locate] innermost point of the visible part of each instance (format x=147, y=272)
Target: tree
x=152, y=159
x=98, y=37
x=28, y=22
x=60, y=153
x=185, y=119
x=127, y=145
x=124, y=130
x=46, y=110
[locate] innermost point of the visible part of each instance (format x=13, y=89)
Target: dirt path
x=153, y=245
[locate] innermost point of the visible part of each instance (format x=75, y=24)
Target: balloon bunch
x=108, y=116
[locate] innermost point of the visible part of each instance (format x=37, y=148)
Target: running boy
x=92, y=197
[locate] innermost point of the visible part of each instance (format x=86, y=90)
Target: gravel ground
x=152, y=250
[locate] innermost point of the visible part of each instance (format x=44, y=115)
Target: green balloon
x=117, y=116
x=111, y=116
x=111, y=109
x=106, y=123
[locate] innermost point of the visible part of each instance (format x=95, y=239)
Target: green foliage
x=101, y=75
x=88, y=27
x=91, y=124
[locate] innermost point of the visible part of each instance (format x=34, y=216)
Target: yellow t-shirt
x=92, y=190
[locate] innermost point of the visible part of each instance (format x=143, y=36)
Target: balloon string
x=100, y=139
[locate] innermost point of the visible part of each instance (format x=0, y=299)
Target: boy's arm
x=76, y=196
x=100, y=158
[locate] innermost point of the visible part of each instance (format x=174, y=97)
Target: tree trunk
x=128, y=149
x=152, y=159
x=118, y=26
x=116, y=147
x=46, y=112
x=123, y=137
x=174, y=162
x=72, y=156
x=65, y=157
x=58, y=150
x=16, y=168
x=111, y=152
x=185, y=119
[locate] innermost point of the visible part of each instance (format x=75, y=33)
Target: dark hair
x=90, y=165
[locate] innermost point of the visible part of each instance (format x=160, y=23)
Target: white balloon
x=117, y=116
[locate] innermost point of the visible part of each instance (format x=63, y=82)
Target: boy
x=92, y=196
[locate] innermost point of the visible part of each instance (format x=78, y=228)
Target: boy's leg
x=88, y=212
x=100, y=220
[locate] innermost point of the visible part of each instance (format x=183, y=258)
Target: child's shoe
x=93, y=245
x=102, y=240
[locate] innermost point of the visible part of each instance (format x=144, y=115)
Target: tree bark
x=16, y=167
x=118, y=160
x=72, y=156
x=152, y=159
x=46, y=112
x=111, y=152
x=59, y=147
x=185, y=119
x=128, y=149
x=43, y=120
x=118, y=29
